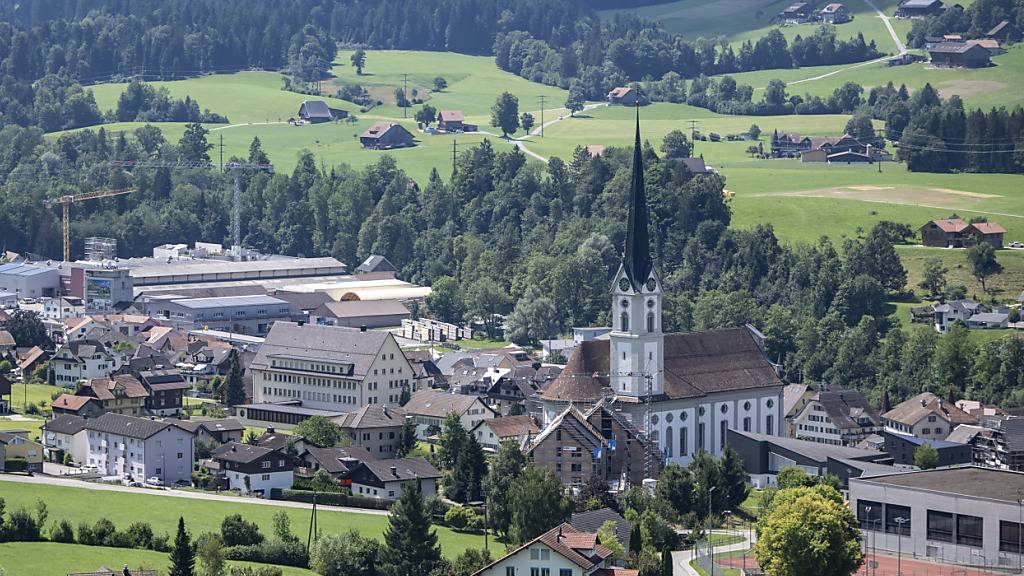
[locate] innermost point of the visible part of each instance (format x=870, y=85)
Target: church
x=682, y=391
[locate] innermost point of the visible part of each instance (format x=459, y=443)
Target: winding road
x=681, y=559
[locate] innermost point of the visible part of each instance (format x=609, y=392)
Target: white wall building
x=135, y=448
x=254, y=469
x=429, y=408
x=81, y=360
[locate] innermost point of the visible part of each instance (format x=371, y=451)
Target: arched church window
x=668, y=442
x=650, y=321
x=624, y=321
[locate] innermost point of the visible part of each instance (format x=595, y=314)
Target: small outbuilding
x=385, y=136
x=1005, y=32
x=919, y=8
x=988, y=232
x=849, y=157
x=315, y=111
x=623, y=96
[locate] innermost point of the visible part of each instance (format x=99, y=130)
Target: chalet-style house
x=122, y=394
x=694, y=386
x=429, y=408
x=219, y=430
x=253, y=469
x=919, y=8
x=789, y=144
x=375, y=427
x=1005, y=32
x=988, y=232
x=493, y=432
x=166, y=391
x=315, y=111
x=385, y=136
x=623, y=96
x=450, y=120
x=957, y=233
x=84, y=406
x=564, y=551
x=926, y=416
x=835, y=13
x=338, y=462
x=959, y=55
x=385, y=479
x=836, y=417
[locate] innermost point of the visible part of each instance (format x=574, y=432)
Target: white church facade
x=692, y=386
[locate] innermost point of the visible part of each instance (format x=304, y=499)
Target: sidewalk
x=682, y=558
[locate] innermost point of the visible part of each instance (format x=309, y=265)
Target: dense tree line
x=627, y=49
x=972, y=22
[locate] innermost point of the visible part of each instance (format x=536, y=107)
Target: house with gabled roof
x=623, y=96
x=254, y=469
x=837, y=417
x=84, y=406
x=385, y=479
x=926, y=416
x=563, y=550
x=123, y=394
x=429, y=408
x=570, y=448
x=79, y=360
x=495, y=431
x=1005, y=32
x=375, y=427
x=987, y=232
x=450, y=120
x=944, y=233
x=385, y=136
x=135, y=448
x=315, y=111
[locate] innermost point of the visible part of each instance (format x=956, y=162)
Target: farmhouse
x=988, y=232
x=990, y=44
x=796, y=13
x=84, y=406
x=835, y=13
x=450, y=120
x=789, y=144
x=315, y=111
x=563, y=550
x=623, y=96
x=919, y=8
x=948, y=232
x=1005, y=32
x=385, y=136
x=958, y=55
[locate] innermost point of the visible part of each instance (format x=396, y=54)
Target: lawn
x=38, y=394
x=1005, y=286
x=31, y=425
x=52, y=559
x=78, y=504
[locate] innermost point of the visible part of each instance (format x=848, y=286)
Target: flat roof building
x=28, y=281
x=152, y=271
x=253, y=314
x=966, y=515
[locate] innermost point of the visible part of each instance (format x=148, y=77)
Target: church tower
x=637, y=343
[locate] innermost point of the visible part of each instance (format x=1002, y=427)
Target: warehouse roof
x=15, y=269
x=229, y=301
x=150, y=267
x=969, y=480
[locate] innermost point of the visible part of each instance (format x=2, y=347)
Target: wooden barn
x=385, y=136
x=958, y=55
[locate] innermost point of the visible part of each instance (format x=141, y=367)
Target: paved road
x=520, y=141
x=885, y=20
x=171, y=493
x=681, y=559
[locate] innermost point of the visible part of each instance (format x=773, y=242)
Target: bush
x=62, y=532
x=67, y=459
x=99, y=534
x=140, y=535
x=270, y=552
x=256, y=571
x=162, y=542
x=31, y=408
x=235, y=531
x=332, y=499
x=21, y=526
x=16, y=465
x=460, y=518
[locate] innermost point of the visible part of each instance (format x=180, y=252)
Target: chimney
x=559, y=531
x=394, y=471
x=384, y=409
x=923, y=403
x=270, y=429
x=362, y=328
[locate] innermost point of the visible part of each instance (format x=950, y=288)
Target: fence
x=728, y=563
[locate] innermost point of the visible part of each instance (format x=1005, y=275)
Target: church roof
x=696, y=364
x=637, y=255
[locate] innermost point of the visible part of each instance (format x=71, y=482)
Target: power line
x=405, y=95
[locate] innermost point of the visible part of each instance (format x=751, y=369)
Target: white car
x=154, y=481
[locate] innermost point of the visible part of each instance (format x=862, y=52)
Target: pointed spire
x=637, y=255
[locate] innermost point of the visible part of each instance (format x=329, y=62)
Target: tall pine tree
x=233, y=388
x=507, y=465
x=410, y=545
x=183, y=555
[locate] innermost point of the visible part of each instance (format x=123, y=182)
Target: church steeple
x=636, y=258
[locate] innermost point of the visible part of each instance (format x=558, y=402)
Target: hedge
x=330, y=499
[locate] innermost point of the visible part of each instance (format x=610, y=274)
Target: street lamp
x=711, y=543
x=1020, y=556
x=482, y=503
x=899, y=542
x=867, y=510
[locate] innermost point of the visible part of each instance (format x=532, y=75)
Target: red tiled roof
x=452, y=116
x=568, y=542
x=595, y=149
x=377, y=130
x=620, y=91
x=950, y=225
x=509, y=426
x=832, y=7
x=988, y=228
x=69, y=402
x=115, y=387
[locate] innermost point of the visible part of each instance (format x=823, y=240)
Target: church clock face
x=624, y=284
x=651, y=284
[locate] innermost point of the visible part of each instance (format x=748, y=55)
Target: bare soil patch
x=899, y=195
x=967, y=88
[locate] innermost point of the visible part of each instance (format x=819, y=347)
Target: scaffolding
x=98, y=248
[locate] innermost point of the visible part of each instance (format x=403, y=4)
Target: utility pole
x=405, y=93
x=693, y=136
x=222, y=152
x=541, y=116
x=454, y=155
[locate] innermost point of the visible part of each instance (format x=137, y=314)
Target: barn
x=385, y=136
x=314, y=111
x=958, y=55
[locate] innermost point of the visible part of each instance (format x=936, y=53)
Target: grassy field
x=31, y=425
x=78, y=504
x=739, y=20
x=38, y=394
x=52, y=559
x=998, y=85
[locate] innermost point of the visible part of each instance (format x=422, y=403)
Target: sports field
x=52, y=559
x=79, y=504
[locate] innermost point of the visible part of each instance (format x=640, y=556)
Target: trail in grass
x=888, y=25
x=520, y=142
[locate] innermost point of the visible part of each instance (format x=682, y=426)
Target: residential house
x=958, y=55
x=954, y=311
x=514, y=389
x=903, y=447
x=385, y=136
x=80, y=360
x=794, y=398
x=254, y=470
x=988, y=232
x=315, y=111
x=623, y=96
x=329, y=368
x=836, y=417
x=85, y=406
x=764, y=456
x=796, y=13
x=118, y=394
x=166, y=390
x=63, y=308
x=1005, y=32
x=570, y=448
x=429, y=408
x=450, y=120
x=19, y=453
x=561, y=551
x=987, y=320
x=219, y=430
x=385, y=479
x=919, y=8
x=359, y=313
x=789, y=144
x=593, y=520
x=338, y=462
x=426, y=374
x=135, y=448
x=835, y=13
x=375, y=264
x=59, y=436
x=926, y=416
x=945, y=233
x=493, y=432
x=375, y=427
x=31, y=359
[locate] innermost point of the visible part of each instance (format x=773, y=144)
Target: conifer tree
x=410, y=545
x=183, y=555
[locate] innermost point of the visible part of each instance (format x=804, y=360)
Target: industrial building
x=252, y=314
x=151, y=271
x=965, y=515
x=28, y=280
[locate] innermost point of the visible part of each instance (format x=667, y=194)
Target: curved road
x=681, y=559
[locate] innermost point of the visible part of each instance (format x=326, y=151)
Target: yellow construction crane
x=68, y=200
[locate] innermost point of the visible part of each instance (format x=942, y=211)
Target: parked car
x=154, y=481
x=1016, y=245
